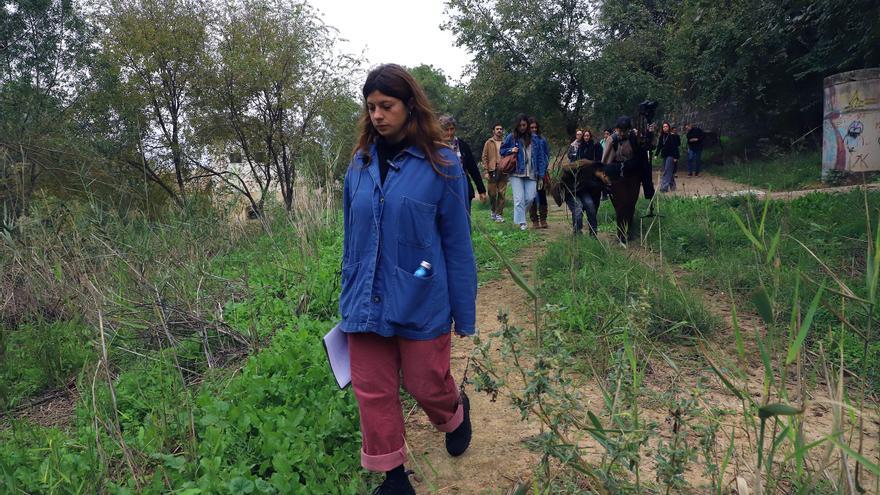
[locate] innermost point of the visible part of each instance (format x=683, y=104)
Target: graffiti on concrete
x=855, y=128
x=851, y=124
x=860, y=164
x=853, y=137
x=856, y=102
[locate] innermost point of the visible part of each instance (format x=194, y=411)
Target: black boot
x=396, y=483
x=458, y=441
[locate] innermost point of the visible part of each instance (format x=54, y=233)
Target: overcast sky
x=406, y=32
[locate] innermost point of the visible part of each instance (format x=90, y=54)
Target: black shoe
x=458, y=441
x=395, y=486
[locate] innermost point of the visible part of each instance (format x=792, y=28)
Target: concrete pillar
x=851, y=124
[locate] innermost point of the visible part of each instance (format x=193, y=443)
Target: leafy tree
x=159, y=47
x=760, y=64
x=43, y=48
x=269, y=89
x=529, y=55
x=446, y=98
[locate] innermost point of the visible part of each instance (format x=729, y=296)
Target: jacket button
x=377, y=299
x=381, y=200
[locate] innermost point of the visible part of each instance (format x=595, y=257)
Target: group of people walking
x=527, y=180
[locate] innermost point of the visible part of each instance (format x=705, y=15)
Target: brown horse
x=625, y=181
x=622, y=187
x=624, y=196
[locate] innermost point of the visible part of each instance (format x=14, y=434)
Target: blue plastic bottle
x=424, y=270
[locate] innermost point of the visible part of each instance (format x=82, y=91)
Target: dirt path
x=707, y=184
x=497, y=460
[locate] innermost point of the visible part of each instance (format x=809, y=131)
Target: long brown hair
x=527, y=136
x=533, y=120
x=421, y=128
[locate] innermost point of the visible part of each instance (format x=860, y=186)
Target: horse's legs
x=619, y=199
x=625, y=195
x=634, y=195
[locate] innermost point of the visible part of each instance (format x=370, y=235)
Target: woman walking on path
x=465, y=156
x=524, y=179
x=573, y=147
x=668, y=145
x=538, y=211
x=582, y=189
x=401, y=296
x=606, y=135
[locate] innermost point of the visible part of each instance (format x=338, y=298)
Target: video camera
x=647, y=109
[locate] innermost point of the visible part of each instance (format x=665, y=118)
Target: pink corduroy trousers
x=377, y=364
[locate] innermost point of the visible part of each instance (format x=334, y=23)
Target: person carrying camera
x=626, y=159
x=463, y=152
x=573, y=147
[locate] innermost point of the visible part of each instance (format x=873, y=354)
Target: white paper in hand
x=336, y=345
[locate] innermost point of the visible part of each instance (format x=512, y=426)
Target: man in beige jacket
x=496, y=180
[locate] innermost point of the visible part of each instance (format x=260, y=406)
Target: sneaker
x=459, y=440
x=690, y=174
x=522, y=226
x=400, y=486
x=499, y=219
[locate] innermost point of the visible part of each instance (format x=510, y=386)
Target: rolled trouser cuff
x=383, y=462
x=453, y=422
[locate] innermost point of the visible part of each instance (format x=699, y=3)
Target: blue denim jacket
x=416, y=215
x=540, y=154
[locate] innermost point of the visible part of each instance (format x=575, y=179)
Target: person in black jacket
x=461, y=148
x=581, y=188
x=668, y=145
x=694, y=138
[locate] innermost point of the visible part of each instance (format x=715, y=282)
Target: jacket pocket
x=349, y=289
x=415, y=223
x=410, y=301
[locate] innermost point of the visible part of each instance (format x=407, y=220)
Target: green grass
x=38, y=356
x=702, y=237
x=277, y=425
x=589, y=286
x=506, y=236
x=785, y=173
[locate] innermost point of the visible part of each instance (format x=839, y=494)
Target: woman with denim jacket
x=538, y=210
x=531, y=165
x=408, y=272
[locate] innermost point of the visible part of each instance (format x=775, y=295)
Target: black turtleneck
x=387, y=151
